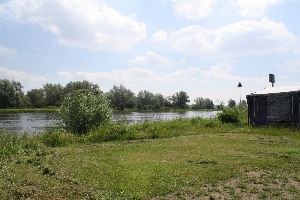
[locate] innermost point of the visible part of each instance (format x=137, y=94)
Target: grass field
x=181, y=159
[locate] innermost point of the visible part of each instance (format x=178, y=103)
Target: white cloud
x=193, y=9
x=160, y=36
x=224, y=65
x=204, y=82
x=218, y=74
x=20, y=76
x=220, y=71
x=133, y=16
x=253, y=8
x=193, y=70
x=7, y=53
x=64, y=75
x=290, y=66
x=224, y=75
x=151, y=58
x=181, y=61
x=181, y=74
x=244, y=38
x=297, y=50
x=134, y=75
x=79, y=23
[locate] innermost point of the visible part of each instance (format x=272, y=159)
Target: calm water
x=37, y=122
x=26, y=122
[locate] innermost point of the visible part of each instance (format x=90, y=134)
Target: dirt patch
x=251, y=185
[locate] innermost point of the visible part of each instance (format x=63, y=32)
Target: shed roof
x=277, y=90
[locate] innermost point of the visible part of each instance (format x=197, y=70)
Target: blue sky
x=202, y=47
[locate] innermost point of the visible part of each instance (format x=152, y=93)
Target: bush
x=57, y=138
x=229, y=115
x=82, y=112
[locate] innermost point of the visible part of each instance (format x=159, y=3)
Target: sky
x=202, y=47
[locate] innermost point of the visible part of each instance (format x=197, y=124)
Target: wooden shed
x=275, y=105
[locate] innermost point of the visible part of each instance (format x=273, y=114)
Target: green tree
x=84, y=86
x=131, y=103
x=202, y=103
x=180, y=99
x=208, y=104
x=37, y=98
x=10, y=93
x=121, y=106
x=231, y=103
x=169, y=102
x=54, y=94
x=156, y=106
x=243, y=103
x=118, y=95
x=160, y=99
x=82, y=112
x=198, y=103
x=24, y=102
x=145, y=97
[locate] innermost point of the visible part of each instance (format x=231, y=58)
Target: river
x=38, y=122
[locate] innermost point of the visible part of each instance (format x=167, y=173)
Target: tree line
x=12, y=96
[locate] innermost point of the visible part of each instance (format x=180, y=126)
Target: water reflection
x=140, y=117
x=26, y=122
x=38, y=122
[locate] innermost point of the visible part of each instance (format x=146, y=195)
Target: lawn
x=204, y=162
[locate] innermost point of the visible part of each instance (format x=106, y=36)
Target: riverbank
x=55, y=109
x=36, y=122
x=180, y=159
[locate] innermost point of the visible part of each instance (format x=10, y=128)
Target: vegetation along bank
x=51, y=96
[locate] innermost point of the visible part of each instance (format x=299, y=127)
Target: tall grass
x=11, y=144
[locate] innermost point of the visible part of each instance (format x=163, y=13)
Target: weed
x=254, y=190
x=296, y=178
x=276, y=194
x=293, y=189
x=262, y=195
x=201, y=193
x=242, y=185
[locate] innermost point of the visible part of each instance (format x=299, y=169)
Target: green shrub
x=57, y=138
x=111, y=132
x=229, y=115
x=82, y=112
x=243, y=113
